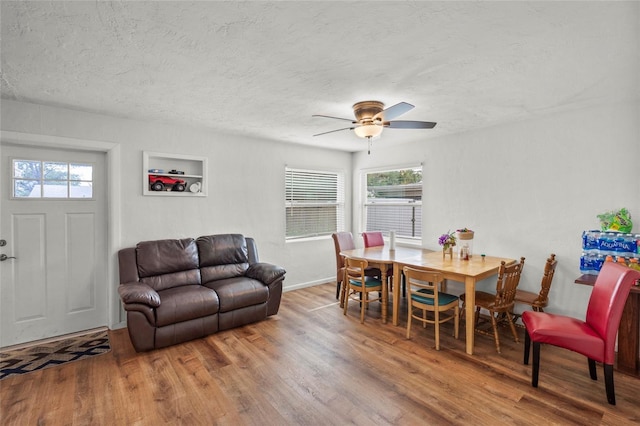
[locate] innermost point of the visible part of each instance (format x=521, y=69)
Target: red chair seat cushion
x=565, y=332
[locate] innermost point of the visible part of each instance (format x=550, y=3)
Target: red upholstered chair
x=595, y=337
x=373, y=239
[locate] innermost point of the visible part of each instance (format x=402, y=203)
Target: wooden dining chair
x=425, y=296
x=376, y=239
x=500, y=304
x=358, y=284
x=538, y=301
x=595, y=337
x=344, y=241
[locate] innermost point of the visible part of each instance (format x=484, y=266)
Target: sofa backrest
x=222, y=256
x=165, y=264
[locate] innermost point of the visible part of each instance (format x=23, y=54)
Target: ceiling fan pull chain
x=369, y=140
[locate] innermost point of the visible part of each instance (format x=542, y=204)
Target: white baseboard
x=308, y=284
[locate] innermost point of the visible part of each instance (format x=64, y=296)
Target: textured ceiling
x=263, y=68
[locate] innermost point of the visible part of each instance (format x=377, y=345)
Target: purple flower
x=448, y=239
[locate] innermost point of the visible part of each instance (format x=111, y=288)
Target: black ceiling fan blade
x=336, y=118
x=337, y=130
x=402, y=124
x=393, y=111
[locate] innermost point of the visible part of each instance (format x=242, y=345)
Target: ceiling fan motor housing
x=366, y=110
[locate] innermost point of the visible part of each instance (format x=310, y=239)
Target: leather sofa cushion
x=222, y=256
x=176, y=279
x=186, y=303
x=239, y=292
x=166, y=256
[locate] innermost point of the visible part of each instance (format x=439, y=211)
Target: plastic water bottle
x=619, y=245
x=585, y=264
x=630, y=245
x=590, y=241
x=597, y=264
x=607, y=244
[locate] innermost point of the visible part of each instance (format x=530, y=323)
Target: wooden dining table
x=468, y=272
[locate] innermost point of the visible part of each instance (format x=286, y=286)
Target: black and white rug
x=53, y=353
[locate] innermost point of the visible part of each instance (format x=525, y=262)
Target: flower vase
x=447, y=251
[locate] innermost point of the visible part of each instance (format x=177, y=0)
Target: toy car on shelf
x=159, y=183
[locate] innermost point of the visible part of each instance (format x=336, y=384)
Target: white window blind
x=394, y=202
x=314, y=203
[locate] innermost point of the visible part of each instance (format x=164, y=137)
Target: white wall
x=245, y=190
x=528, y=188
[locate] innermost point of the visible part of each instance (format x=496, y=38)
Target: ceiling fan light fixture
x=368, y=130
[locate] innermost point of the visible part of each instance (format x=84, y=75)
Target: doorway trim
x=112, y=151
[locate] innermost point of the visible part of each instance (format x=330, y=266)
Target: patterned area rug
x=51, y=354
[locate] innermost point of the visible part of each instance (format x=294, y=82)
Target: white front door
x=53, y=279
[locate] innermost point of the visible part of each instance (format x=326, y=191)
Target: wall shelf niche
x=157, y=179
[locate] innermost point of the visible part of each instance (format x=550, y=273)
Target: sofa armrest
x=265, y=272
x=139, y=293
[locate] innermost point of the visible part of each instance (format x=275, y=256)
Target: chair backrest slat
x=354, y=270
x=547, y=278
x=426, y=281
x=508, y=280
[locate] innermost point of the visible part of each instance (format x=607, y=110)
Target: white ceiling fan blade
x=403, y=124
x=393, y=111
x=335, y=118
x=337, y=130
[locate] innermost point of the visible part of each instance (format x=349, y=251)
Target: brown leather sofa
x=179, y=290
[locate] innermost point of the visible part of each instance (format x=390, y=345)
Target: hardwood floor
x=310, y=365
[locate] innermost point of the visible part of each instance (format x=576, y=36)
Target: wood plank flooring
x=311, y=365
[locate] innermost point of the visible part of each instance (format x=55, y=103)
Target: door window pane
x=51, y=180
x=27, y=169
x=56, y=171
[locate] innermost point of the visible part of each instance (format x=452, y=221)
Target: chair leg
x=338, y=289
x=535, y=371
x=345, y=295
x=513, y=327
x=608, y=384
x=363, y=305
x=456, y=321
x=592, y=369
x=436, y=314
x=409, y=321
x=527, y=347
x=494, y=324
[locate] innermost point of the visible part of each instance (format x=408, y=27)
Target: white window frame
x=364, y=204
x=331, y=196
x=67, y=182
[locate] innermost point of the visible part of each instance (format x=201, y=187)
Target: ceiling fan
x=371, y=118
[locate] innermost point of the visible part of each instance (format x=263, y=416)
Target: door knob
x=4, y=257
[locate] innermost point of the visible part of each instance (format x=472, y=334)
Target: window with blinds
x=394, y=202
x=314, y=203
